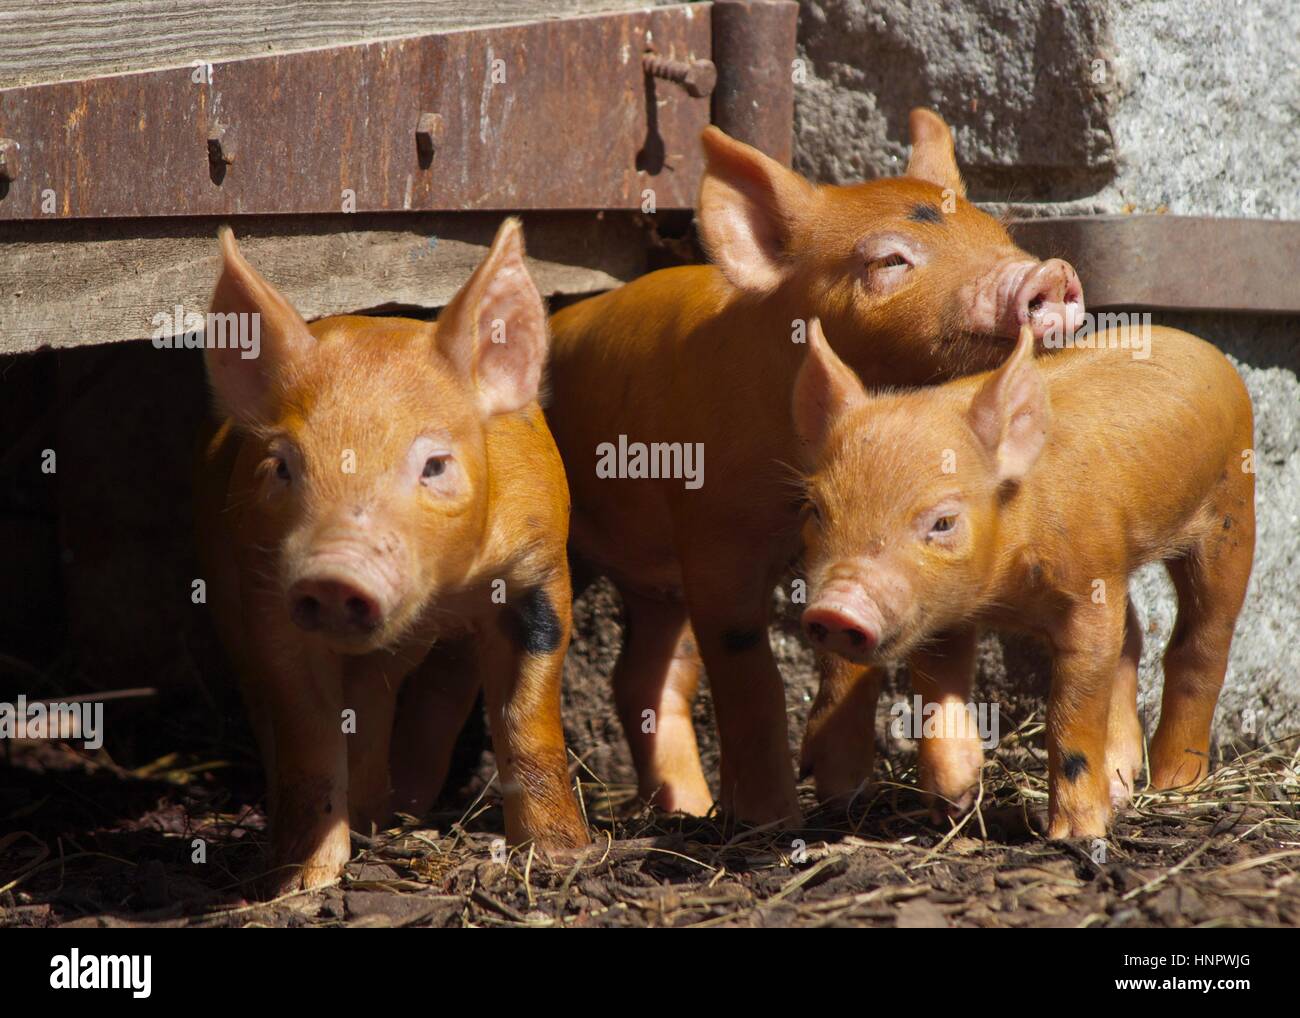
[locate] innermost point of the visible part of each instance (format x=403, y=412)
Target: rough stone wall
x=1208, y=115
x=1120, y=105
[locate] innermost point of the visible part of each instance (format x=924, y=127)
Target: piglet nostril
x=817, y=631
x=856, y=637
x=361, y=612
x=1046, y=285
x=306, y=613
x=1038, y=297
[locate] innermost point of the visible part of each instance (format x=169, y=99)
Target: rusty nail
x=428, y=132
x=8, y=160
x=216, y=145
x=696, y=76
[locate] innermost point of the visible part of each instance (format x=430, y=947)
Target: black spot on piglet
x=1073, y=764
x=922, y=213
x=533, y=624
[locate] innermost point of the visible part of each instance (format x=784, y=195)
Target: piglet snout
x=1050, y=297
x=335, y=606
x=843, y=624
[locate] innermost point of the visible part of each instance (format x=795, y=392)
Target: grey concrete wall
x=1118, y=105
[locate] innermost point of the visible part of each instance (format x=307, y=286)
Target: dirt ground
x=109, y=837
x=89, y=843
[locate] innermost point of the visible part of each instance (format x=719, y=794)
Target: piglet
x=916, y=285
x=1023, y=498
x=382, y=511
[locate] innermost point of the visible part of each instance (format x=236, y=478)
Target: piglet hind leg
x=521, y=664
x=1088, y=649
x=950, y=755
x=1124, y=730
x=839, y=743
x=1211, y=584
x=729, y=614
x=655, y=682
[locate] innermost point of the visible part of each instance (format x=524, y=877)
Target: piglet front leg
x=521, y=663
x=839, y=743
x=1088, y=648
x=950, y=753
x=302, y=694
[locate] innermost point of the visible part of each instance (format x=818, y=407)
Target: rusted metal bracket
x=557, y=114
x=1187, y=262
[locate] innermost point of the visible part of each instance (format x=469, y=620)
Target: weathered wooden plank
x=1185, y=262
x=55, y=40
x=83, y=283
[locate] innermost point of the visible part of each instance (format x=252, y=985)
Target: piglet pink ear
x=494, y=329
x=749, y=208
x=1009, y=414
x=933, y=155
x=253, y=338
x=824, y=391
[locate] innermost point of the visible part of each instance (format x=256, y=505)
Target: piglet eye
x=890, y=261
x=887, y=268
x=433, y=467
x=281, y=469
x=943, y=524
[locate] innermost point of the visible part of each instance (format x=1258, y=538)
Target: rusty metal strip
x=754, y=48
x=550, y=115
x=1195, y=263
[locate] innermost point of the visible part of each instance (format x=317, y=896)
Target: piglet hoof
x=322, y=865
x=1184, y=770
x=559, y=843
x=950, y=777
x=1121, y=788
x=945, y=809
x=689, y=798
x=1122, y=769
x=1061, y=827
x=837, y=788
x=288, y=878
x=839, y=777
